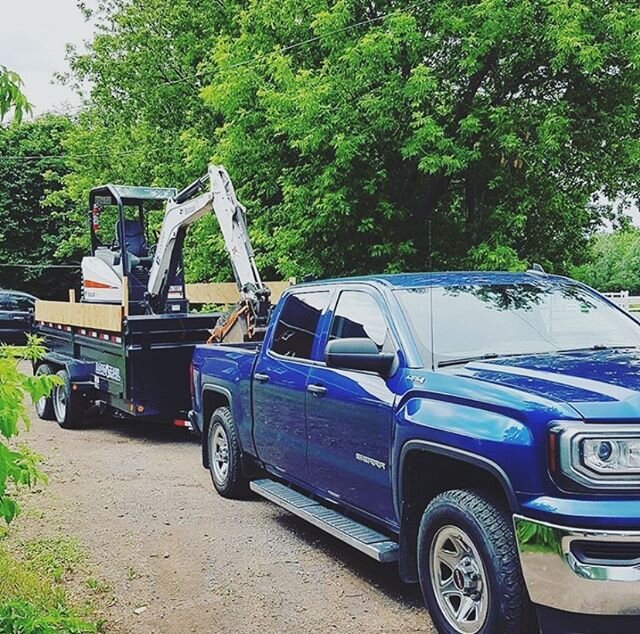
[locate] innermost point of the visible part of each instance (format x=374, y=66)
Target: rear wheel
x=44, y=405
x=67, y=405
x=225, y=456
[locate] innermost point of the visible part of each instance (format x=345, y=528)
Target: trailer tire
x=225, y=456
x=44, y=405
x=469, y=567
x=67, y=405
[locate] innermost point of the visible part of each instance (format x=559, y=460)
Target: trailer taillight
x=192, y=387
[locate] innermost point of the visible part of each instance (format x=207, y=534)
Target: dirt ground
x=158, y=537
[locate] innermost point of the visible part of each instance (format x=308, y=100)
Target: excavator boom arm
x=182, y=211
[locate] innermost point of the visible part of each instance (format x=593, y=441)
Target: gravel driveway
x=136, y=497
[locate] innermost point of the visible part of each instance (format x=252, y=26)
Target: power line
x=290, y=47
x=44, y=157
x=249, y=62
x=40, y=266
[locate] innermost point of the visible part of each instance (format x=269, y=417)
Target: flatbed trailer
x=127, y=345
x=140, y=370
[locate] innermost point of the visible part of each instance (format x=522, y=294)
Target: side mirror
x=358, y=354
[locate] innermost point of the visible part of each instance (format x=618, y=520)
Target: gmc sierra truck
x=482, y=430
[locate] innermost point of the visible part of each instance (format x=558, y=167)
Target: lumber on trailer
x=227, y=293
x=98, y=316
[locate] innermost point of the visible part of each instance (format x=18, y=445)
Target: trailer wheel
x=225, y=456
x=469, y=567
x=44, y=405
x=67, y=405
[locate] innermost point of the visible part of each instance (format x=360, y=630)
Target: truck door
x=349, y=415
x=279, y=381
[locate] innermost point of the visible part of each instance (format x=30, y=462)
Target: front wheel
x=225, y=456
x=469, y=567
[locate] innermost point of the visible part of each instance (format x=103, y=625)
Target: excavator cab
x=120, y=247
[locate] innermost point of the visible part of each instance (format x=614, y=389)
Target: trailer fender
x=79, y=371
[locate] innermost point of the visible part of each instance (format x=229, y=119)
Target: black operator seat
x=135, y=241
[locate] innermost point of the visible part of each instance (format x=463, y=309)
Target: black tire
x=68, y=406
x=44, y=405
x=506, y=608
x=229, y=482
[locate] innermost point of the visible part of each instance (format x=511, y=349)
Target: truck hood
x=600, y=385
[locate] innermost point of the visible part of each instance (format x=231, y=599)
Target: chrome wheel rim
x=459, y=580
x=60, y=402
x=41, y=404
x=220, y=455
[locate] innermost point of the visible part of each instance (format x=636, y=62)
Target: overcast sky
x=33, y=35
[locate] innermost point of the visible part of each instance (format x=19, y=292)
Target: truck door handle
x=261, y=378
x=317, y=390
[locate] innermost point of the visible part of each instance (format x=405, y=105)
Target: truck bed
x=232, y=364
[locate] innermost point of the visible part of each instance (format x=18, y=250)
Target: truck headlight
x=598, y=456
x=615, y=456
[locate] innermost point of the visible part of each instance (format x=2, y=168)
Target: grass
x=97, y=586
x=54, y=556
x=32, y=601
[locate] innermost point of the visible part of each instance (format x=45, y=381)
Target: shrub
x=17, y=466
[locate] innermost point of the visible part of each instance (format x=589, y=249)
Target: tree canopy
x=614, y=264
x=31, y=174
x=367, y=136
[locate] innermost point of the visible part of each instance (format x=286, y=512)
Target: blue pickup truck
x=482, y=430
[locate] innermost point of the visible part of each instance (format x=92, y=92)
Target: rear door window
x=297, y=324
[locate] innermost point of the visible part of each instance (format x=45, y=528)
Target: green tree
x=369, y=137
x=614, y=264
x=31, y=172
x=144, y=101
x=16, y=466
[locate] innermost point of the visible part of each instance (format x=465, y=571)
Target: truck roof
x=444, y=278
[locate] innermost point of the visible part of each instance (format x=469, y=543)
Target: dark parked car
x=16, y=316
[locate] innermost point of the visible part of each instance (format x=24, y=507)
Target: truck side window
x=296, y=327
x=358, y=315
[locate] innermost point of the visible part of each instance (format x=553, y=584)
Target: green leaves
x=32, y=205
x=21, y=617
x=614, y=263
x=11, y=96
x=369, y=137
x=18, y=466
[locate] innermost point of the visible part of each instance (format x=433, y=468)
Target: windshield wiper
x=481, y=357
x=600, y=346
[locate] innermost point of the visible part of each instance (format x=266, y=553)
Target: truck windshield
x=484, y=321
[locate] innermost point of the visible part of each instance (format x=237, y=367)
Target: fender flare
x=217, y=389
x=456, y=454
x=408, y=564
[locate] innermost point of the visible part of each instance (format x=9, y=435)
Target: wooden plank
x=227, y=292
x=125, y=296
x=98, y=316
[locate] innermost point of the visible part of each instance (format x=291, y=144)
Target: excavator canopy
x=129, y=194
